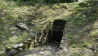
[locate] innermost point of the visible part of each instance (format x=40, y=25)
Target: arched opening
x=56, y=33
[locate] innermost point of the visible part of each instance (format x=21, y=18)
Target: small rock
x=33, y=24
x=20, y=49
x=22, y=26
x=15, y=46
x=41, y=52
x=12, y=52
x=25, y=42
x=80, y=0
x=32, y=34
x=20, y=45
x=65, y=49
x=29, y=40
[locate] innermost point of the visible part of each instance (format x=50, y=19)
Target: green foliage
x=19, y=38
x=3, y=33
x=50, y=1
x=23, y=0
x=63, y=1
x=37, y=1
x=3, y=5
x=70, y=35
x=1, y=21
x=57, y=1
x=45, y=1
x=37, y=27
x=79, y=20
x=86, y=43
x=76, y=54
x=72, y=41
x=88, y=14
x=93, y=17
x=19, y=16
x=79, y=32
x=1, y=54
x=45, y=16
x=74, y=45
x=66, y=18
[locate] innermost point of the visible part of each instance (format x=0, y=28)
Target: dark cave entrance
x=56, y=33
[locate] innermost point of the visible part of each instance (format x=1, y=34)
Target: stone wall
x=41, y=38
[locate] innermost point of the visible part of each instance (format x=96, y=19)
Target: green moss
x=9, y=47
x=20, y=17
x=79, y=32
x=72, y=41
x=21, y=37
x=70, y=35
x=1, y=21
x=25, y=46
x=1, y=54
x=86, y=43
x=45, y=16
x=76, y=54
x=74, y=45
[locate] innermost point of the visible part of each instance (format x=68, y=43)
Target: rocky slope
x=77, y=40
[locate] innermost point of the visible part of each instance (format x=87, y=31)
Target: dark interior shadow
x=56, y=33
